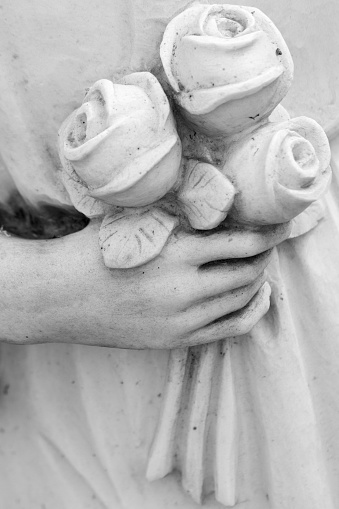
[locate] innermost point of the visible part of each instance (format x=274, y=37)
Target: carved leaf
x=206, y=195
x=134, y=236
x=78, y=194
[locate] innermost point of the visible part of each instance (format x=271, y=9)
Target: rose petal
x=307, y=220
x=77, y=190
x=146, y=178
x=207, y=100
x=298, y=163
x=84, y=203
x=149, y=83
x=134, y=237
x=206, y=195
x=205, y=62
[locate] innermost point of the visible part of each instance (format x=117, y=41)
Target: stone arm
x=60, y=290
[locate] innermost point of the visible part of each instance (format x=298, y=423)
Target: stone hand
x=201, y=288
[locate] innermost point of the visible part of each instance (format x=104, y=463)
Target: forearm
x=61, y=291
x=23, y=300
x=38, y=278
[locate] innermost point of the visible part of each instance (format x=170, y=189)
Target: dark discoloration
x=45, y=221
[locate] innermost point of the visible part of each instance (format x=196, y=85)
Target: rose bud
x=278, y=171
x=122, y=142
x=228, y=66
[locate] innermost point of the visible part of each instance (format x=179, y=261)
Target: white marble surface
x=76, y=422
x=43, y=81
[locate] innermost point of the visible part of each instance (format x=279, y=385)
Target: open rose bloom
x=228, y=66
x=121, y=144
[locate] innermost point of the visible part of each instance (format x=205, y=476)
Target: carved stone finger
x=231, y=275
x=236, y=243
x=236, y=324
x=204, y=313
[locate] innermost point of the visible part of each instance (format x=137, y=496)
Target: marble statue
x=228, y=68
x=208, y=262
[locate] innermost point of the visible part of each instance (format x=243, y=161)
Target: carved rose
x=229, y=66
x=122, y=143
x=278, y=171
